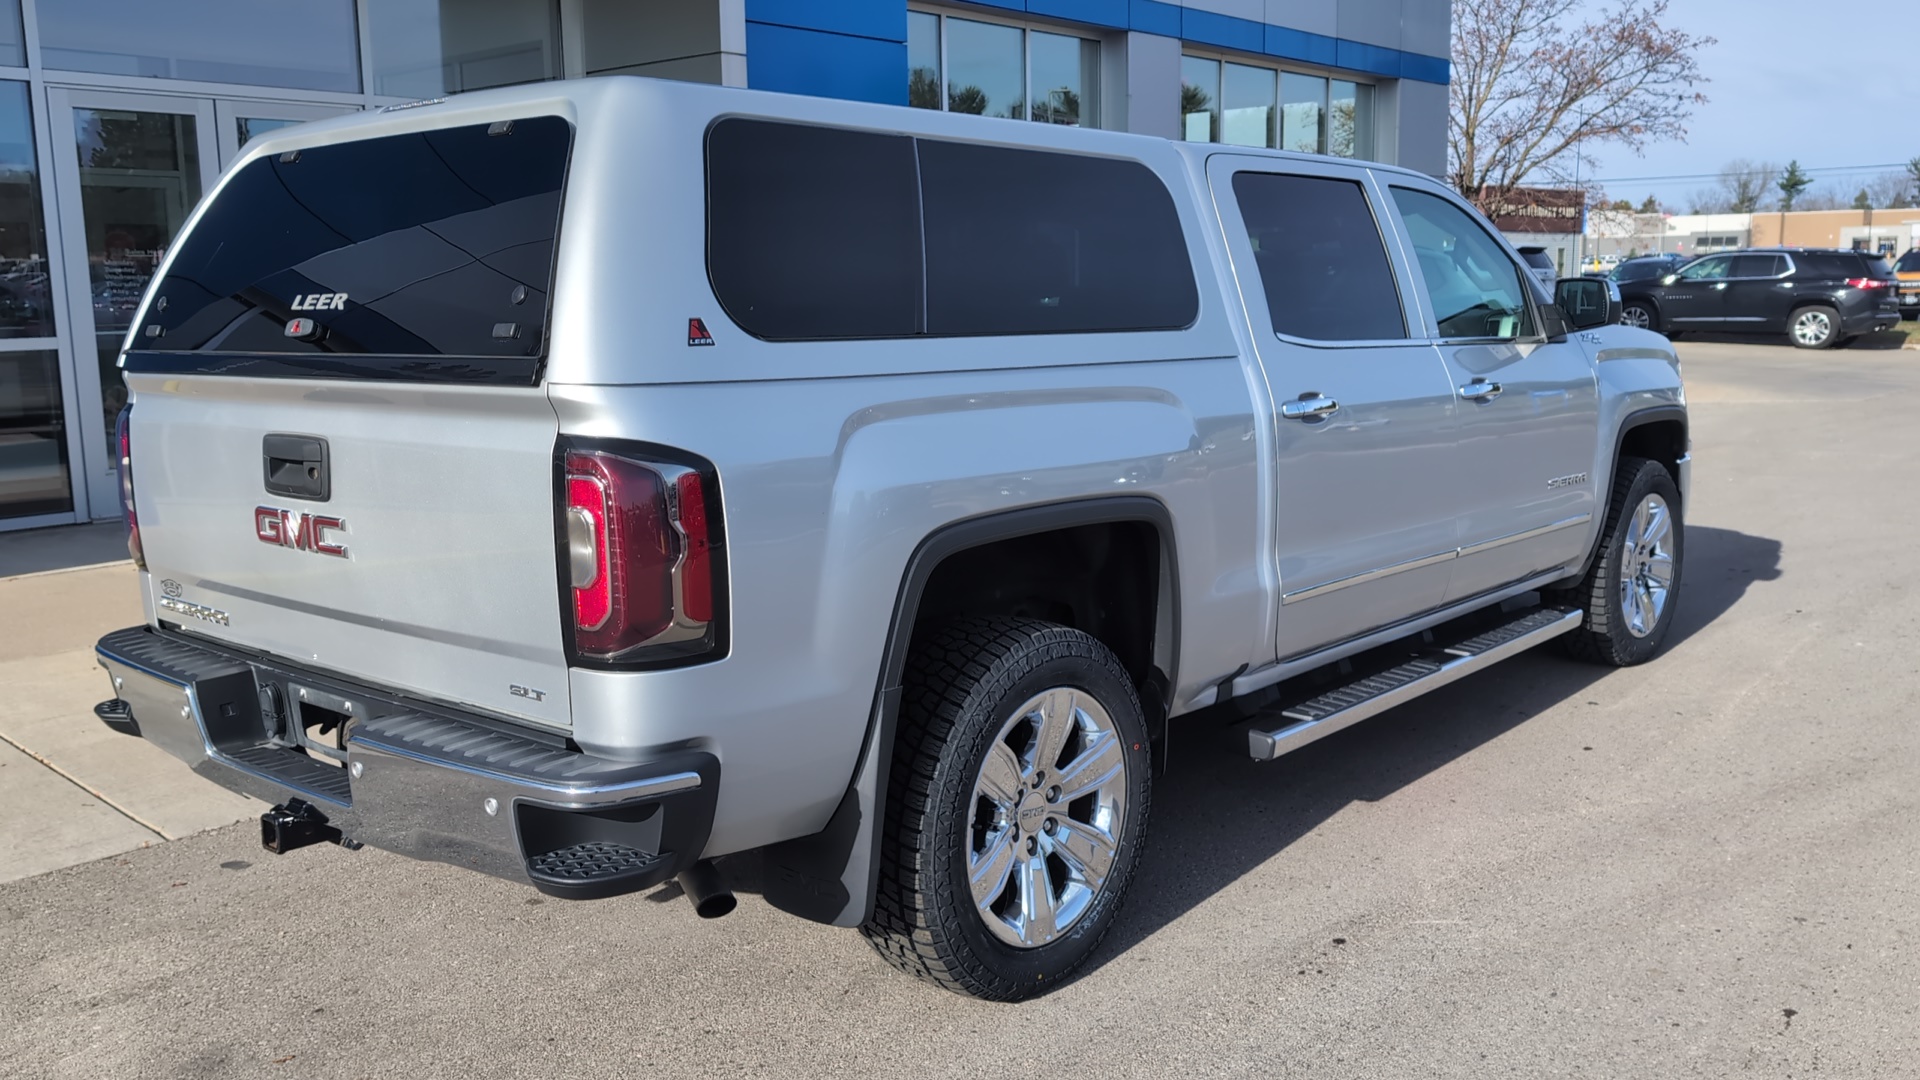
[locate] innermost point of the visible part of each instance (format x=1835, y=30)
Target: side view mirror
x=1588, y=302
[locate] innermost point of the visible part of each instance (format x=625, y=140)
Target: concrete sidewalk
x=72, y=790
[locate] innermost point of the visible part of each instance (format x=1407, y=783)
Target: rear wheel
x=1017, y=807
x=1630, y=589
x=1815, y=327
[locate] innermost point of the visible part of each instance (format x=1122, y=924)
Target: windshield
x=1909, y=263
x=434, y=243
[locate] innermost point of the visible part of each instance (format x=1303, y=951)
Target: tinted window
x=813, y=232
x=1824, y=265
x=1710, y=269
x=1753, y=266
x=1539, y=260
x=1024, y=242
x=1642, y=271
x=431, y=243
x=1878, y=267
x=1321, y=261
x=1475, y=287
x=1909, y=263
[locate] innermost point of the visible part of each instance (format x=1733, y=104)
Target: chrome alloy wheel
x=1048, y=808
x=1812, y=327
x=1637, y=317
x=1646, y=565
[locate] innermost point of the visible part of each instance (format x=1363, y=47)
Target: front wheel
x=1639, y=315
x=1017, y=807
x=1630, y=589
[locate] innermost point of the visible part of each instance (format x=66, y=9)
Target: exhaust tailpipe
x=701, y=883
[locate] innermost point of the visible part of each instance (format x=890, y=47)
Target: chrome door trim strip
x=1527, y=534
x=1424, y=561
x=1371, y=575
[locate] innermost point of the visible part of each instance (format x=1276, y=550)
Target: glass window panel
x=13, y=51
x=25, y=307
x=814, y=232
x=1707, y=269
x=1475, y=287
x=33, y=437
x=251, y=126
x=1350, y=120
x=1303, y=113
x=139, y=179
x=1322, y=264
x=1248, y=97
x=923, y=60
x=985, y=76
x=1065, y=78
x=425, y=48
x=413, y=245
x=311, y=45
x=1199, y=99
x=1028, y=242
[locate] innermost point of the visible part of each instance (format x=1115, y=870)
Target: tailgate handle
x=296, y=466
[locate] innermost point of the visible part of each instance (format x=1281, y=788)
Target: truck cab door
x=1362, y=408
x=1526, y=406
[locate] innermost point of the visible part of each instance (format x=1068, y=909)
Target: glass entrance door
x=130, y=168
x=239, y=121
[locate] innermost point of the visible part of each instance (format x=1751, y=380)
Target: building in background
x=115, y=115
x=1546, y=218
x=1617, y=233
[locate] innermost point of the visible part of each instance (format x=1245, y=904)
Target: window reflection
x=227, y=41
x=1199, y=99
x=1247, y=106
x=25, y=308
x=33, y=440
x=983, y=69
x=1063, y=78
x=425, y=48
x=923, y=60
x=1303, y=111
x=1350, y=120
x=13, y=49
x=254, y=126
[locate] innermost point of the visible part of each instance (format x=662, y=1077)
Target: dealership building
x=115, y=116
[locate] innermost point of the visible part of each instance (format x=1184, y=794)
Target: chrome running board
x=1347, y=705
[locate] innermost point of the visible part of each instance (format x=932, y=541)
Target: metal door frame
x=227, y=111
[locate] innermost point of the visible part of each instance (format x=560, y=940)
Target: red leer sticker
x=697, y=333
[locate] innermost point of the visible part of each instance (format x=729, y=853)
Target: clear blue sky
x=1789, y=80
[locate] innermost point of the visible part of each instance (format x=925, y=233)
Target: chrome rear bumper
x=417, y=778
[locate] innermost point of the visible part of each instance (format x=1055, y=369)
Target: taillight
x=122, y=439
x=640, y=543
x=1868, y=283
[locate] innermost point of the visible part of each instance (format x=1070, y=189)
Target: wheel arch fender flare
x=829, y=877
x=1639, y=418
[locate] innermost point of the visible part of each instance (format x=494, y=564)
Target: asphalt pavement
x=1707, y=866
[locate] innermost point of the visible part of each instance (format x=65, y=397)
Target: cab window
x=1475, y=287
x=1713, y=268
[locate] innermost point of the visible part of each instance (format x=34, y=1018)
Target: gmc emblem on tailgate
x=302, y=532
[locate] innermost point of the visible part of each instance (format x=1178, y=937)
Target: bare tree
x=1744, y=184
x=1532, y=88
x=1890, y=191
x=1824, y=197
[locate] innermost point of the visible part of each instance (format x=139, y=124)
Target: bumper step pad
x=1435, y=667
x=592, y=870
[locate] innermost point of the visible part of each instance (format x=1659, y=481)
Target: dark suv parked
x=1645, y=267
x=1819, y=299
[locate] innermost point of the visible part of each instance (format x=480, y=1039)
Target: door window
x=1712, y=269
x=1475, y=288
x=1323, y=267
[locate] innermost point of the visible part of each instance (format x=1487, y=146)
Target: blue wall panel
x=1222, y=30
x=1154, y=17
x=1358, y=56
x=1300, y=45
x=883, y=19
x=1111, y=14
x=826, y=65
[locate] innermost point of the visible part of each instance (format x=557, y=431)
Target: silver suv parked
x=582, y=482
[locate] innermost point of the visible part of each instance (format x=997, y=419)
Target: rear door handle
x=1481, y=390
x=1308, y=406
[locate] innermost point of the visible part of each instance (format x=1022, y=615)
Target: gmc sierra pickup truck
x=585, y=481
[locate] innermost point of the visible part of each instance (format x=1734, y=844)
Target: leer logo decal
x=319, y=301
x=302, y=532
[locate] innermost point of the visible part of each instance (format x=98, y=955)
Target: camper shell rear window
x=342, y=259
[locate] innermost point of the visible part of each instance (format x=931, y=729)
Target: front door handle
x=1481, y=390
x=1309, y=406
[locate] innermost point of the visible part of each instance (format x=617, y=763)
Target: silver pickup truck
x=583, y=482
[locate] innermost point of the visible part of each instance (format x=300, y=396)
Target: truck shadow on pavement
x=1218, y=815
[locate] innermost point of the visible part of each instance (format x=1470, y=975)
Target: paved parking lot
x=1709, y=866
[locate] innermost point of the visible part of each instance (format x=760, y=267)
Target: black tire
x=1646, y=310
x=1606, y=636
x=963, y=684
x=1809, y=341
